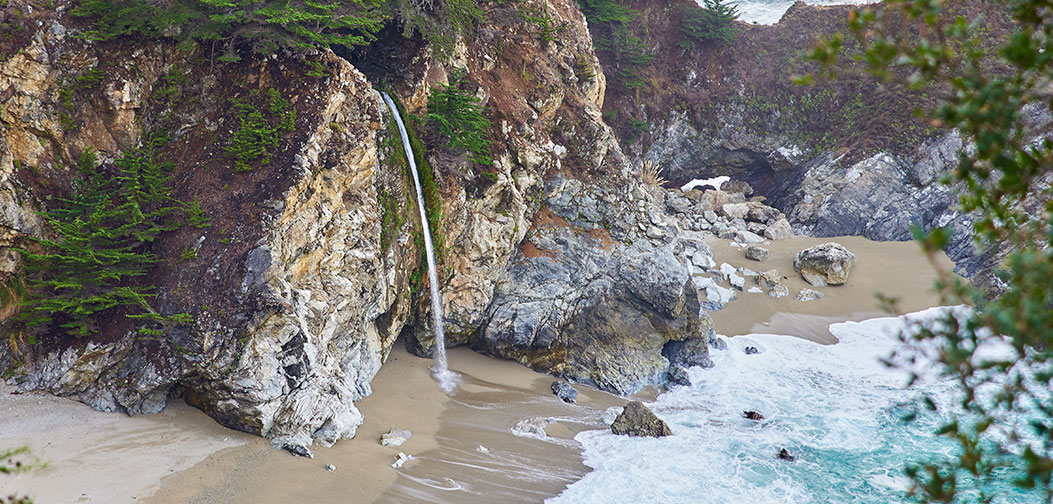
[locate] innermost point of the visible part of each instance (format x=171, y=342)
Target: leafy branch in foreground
x=1002, y=420
x=101, y=246
x=11, y=463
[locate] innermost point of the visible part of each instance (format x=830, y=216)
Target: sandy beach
x=503, y=437
x=895, y=269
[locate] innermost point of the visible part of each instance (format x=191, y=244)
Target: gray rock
x=395, y=437
x=735, y=210
x=637, y=420
x=769, y=279
x=756, y=253
x=716, y=296
x=703, y=260
x=737, y=281
x=808, y=295
x=599, y=314
x=688, y=353
x=779, y=291
x=564, y=391
x=751, y=350
x=779, y=230
x=717, y=343
x=747, y=237
x=677, y=204
x=726, y=270
x=826, y=264
x=298, y=450
x=679, y=376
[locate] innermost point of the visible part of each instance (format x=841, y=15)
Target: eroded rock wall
x=295, y=303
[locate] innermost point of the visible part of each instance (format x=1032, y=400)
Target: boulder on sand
x=756, y=253
x=637, y=420
x=564, y=391
x=826, y=264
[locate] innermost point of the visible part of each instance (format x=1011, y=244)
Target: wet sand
x=895, y=269
x=464, y=447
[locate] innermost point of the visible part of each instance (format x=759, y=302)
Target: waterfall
x=447, y=379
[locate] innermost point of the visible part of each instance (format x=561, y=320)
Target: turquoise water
x=836, y=408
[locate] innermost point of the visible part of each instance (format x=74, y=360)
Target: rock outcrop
x=305, y=277
x=275, y=348
x=637, y=420
x=841, y=157
x=826, y=264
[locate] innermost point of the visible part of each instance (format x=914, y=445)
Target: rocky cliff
x=845, y=156
x=308, y=268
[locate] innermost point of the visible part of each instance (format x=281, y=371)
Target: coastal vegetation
x=1002, y=423
x=265, y=26
x=100, y=254
x=713, y=23
x=11, y=462
x=259, y=131
x=459, y=118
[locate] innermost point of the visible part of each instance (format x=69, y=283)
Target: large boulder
x=637, y=420
x=826, y=264
x=577, y=304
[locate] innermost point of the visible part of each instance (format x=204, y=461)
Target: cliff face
x=294, y=302
x=839, y=157
x=308, y=270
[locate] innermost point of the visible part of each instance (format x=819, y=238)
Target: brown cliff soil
x=753, y=76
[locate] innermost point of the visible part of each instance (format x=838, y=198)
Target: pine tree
x=100, y=248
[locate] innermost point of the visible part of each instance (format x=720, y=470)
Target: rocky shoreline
x=562, y=255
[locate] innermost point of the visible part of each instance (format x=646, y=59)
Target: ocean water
x=770, y=11
x=837, y=408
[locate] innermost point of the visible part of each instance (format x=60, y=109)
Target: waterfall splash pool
x=447, y=379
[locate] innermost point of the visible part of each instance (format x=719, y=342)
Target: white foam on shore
x=836, y=407
x=771, y=11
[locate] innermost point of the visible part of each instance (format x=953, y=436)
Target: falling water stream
x=447, y=379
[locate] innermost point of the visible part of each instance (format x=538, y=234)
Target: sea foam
x=837, y=408
x=770, y=11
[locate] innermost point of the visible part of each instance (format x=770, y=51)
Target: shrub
x=299, y=25
x=259, y=132
x=101, y=245
x=627, y=50
x=459, y=118
x=713, y=23
x=438, y=21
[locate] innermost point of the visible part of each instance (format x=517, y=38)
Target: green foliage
x=713, y=23
x=1003, y=422
x=440, y=22
x=266, y=25
x=103, y=232
x=72, y=89
x=538, y=16
x=617, y=25
x=11, y=463
x=460, y=119
x=259, y=132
